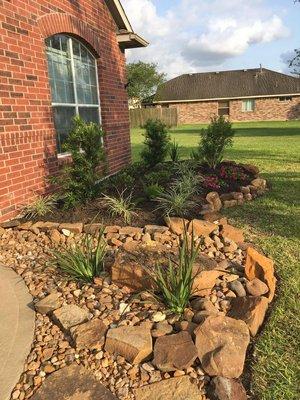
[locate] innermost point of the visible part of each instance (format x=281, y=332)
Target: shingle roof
x=227, y=84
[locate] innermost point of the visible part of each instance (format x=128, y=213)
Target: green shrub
x=175, y=281
x=175, y=202
x=85, y=260
x=153, y=191
x=40, y=206
x=174, y=151
x=122, y=180
x=78, y=179
x=121, y=205
x=214, y=140
x=157, y=177
x=156, y=143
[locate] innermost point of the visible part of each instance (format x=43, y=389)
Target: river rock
x=250, y=309
x=222, y=343
x=238, y=288
x=174, y=352
x=134, y=343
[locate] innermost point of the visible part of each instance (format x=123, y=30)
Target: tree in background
x=143, y=80
x=294, y=63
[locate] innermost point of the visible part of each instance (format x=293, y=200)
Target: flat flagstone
x=16, y=331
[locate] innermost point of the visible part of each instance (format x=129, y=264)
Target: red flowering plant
x=211, y=182
x=233, y=173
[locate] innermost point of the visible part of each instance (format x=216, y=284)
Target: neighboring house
x=58, y=59
x=243, y=95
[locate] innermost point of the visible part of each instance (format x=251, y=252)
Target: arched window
x=74, y=83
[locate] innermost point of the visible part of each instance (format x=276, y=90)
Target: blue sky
x=208, y=35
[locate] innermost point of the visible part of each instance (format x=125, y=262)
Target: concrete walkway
x=16, y=329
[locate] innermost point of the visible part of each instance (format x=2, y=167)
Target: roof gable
x=227, y=84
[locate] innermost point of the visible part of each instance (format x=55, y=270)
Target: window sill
x=63, y=155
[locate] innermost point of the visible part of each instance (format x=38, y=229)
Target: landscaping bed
x=115, y=327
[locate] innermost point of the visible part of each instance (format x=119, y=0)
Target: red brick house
x=58, y=58
x=243, y=95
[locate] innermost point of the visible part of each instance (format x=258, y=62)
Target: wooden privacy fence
x=138, y=117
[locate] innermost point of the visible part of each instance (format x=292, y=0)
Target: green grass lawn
x=272, y=222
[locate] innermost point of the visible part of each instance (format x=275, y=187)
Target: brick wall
x=27, y=136
x=265, y=109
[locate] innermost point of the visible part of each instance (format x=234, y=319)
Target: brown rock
x=92, y=228
x=155, y=229
x=204, y=281
x=176, y=225
x=226, y=389
x=75, y=228
x=72, y=383
x=174, y=352
x=130, y=230
x=25, y=226
x=13, y=223
x=259, y=183
x=201, y=227
x=48, y=225
x=186, y=326
x=134, y=343
x=256, y=287
x=201, y=316
x=250, y=309
x=230, y=203
x=232, y=233
x=161, y=329
x=261, y=267
x=70, y=315
x=222, y=343
x=112, y=229
x=49, y=303
x=211, y=216
x=55, y=236
x=90, y=335
x=213, y=198
x=180, y=388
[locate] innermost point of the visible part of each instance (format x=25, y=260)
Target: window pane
x=89, y=114
x=223, y=111
x=85, y=78
x=63, y=123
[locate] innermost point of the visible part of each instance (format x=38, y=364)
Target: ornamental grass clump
x=174, y=152
x=174, y=282
x=83, y=261
x=175, y=202
x=121, y=205
x=41, y=206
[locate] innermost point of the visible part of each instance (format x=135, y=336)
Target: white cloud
x=193, y=35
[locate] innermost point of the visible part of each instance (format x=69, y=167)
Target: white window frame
x=77, y=105
x=245, y=104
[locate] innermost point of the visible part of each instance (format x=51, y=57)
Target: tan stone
x=226, y=389
x=70, y=315
x=92, y=228
x=130, y=230
x=72, y=383
x=201, y=228
x=48, y=303
x=250, y=309
x=261, y=267
x=134, y=343
x=232, y=233
x=55, y=236
x=213, y=198
x=222, y=344
x=230, y=203
x=112, y=229
x=176, y=225
x=204, y=281
x=256, y=287
x=75, y=227
x=90, y=335
x=155, y=229
x=48, y=225
x=174, y=352
x=259, y=183
x=179, y=388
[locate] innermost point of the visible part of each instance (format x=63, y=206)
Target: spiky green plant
x=174, y=151
x=121, y=205
x=83, y=261
x=175, y=202
x=40, y=206
x=174, y=282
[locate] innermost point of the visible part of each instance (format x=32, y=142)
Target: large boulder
x=72, y=383
x=69, y=316
x=134, y=343
x=181, y=388
x=226, y=389
x=201, y=228
x=250, y=309
x=261, y=267
x=90, y=335
x=222, y=344
x=174, y=352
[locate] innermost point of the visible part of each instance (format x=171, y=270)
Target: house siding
x=28, y=153
x=266, y=109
